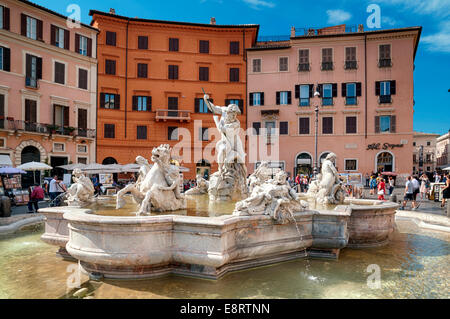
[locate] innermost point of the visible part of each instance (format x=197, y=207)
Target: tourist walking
x=446, y=190
x=424, y=186
x=37, y=194
x=416, y=190
x=409, y=191
x=56, y=188
x=391, y=185
x=381, y=189
x=367, y=179
x=372, y=184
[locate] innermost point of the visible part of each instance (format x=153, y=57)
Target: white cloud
x=440, y=41
x=257, y=4
x=440, y=8
x=338, y=16
x=385, y=20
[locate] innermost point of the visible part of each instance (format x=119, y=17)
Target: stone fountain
x=271, y=223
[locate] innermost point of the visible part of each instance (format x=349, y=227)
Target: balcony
x=327, y=66
x=327, y=101
x=31, y=83
x=350, y=65
x=173, y=115
x=384, y=63
x=303, y=67
x=304, y=101
x=351, y=100
x=385, y=99
x=18, y=126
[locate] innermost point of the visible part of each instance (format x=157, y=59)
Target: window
x=203, y=73
x=142, y=70
x=203, y=134
x=32, y=28
x=256, y=65
x=351, y=164
x=284, y=128
x=5, y=59
x=82, y=160
x=33, y=70
x=327, y=125
x=234, y=74
x=200, y=106
x=2, y=11
x=30, y=111
x=173, y=72
x=142, y=42
x=141, y=132
x=59, y=147
x=60, y=73
x=81, y=148
x=428, y=143
x=172, y=133
x=283, y=64
x=109, y=101
x=83, y=45
x=2, y=112
x=82, y=122
x=414, y=143
x=173, y=44
x=204, y=46
x=110, y=67
x=284, y=98
x=303, y=60
x=238, y=102
x=327, y=59
x=350, y=94
x=270, y=128
x=256, y=99
x=350, y=124
x=172, y=104
x=384, y=90
x=304, y=95
x=110, y=38
x=303, y=127
x=142, y=103
x=385, y=124
x=234, y=47
x=82, y=79
x=327, y=96
x=110, y=130
x=385, y=56
x=350, y=58
x=59, y=37
x=257, y=127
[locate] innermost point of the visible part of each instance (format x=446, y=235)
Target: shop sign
x=384, y=146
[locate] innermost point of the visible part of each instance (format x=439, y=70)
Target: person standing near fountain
x=230, y=181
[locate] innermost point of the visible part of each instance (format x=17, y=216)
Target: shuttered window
x=257, y=127
x=4, y=18
x=141, y=132
x=30, y=111
x=204, y=46
x=60, y=72
x=142, y=69
x=350, y=124
x=256, y=65
x=327, y=125
x=350, y=54
x=303, y=56
x=203, y=73
x=351, y=164
x=284, y=64
x=234, y=74
x=385, y=51
x=109, y=101
x=5, y=59
x=82, y=122
x=173, y=72
x=33, y=70
x=110, y=67
x=234, y=47
x=303, y=125
x=83, y=45
x=82, y=79
x=31, y=27
x=110, y=131
x=142, y=103
x=200, y=106
x=256, y=99
x=327, y=55
x=173, y=44
x=59, y=37
x=142, y=42
x=110, y=38
x=284, y=128
x=284, y=98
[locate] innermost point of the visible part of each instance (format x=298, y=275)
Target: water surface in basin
x=414, y=265
x=197, y=205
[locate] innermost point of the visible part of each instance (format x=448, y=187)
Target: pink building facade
x=47, y=86
x=365, y=81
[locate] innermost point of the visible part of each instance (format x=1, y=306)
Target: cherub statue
x=81, y=192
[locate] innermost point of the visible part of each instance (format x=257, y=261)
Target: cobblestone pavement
x=23, y=209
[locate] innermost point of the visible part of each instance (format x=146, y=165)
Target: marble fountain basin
x=131, y=247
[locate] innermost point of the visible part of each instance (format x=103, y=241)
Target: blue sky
x=431, y=76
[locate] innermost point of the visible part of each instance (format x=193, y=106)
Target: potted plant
x=51, y=128
x=70, y=130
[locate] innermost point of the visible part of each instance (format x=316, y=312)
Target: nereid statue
x=81, y=192
x=201, y=187
x=327, y=189
x=273, y=197
x=157, y=188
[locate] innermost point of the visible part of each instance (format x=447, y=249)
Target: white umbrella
x=71, y=167
x=34, y=166
x=446, y=168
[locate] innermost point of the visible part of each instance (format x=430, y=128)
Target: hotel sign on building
x=365, y=107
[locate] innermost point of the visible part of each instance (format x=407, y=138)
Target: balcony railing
x=41, y=128
x=175, y=115
x=327, y=101
x=303, y=67
x=385, y=99
x=327, y=66
x=384, y=63
x=351, y=65
x=31, y=82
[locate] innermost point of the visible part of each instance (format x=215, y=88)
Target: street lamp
x=316, y=94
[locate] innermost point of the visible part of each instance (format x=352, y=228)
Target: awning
x=5, y=160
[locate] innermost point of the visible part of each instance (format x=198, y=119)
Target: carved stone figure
x=201, y=188
x=327, y=189
x=258, y=177
x=81, y=192
x=134, y=188
x=229, y=182
x=273, y=197
x=158, y=190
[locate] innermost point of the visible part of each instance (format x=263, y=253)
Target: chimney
x=212, y=21
x=112, y=11
x=361, y=28
x=292, y=32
